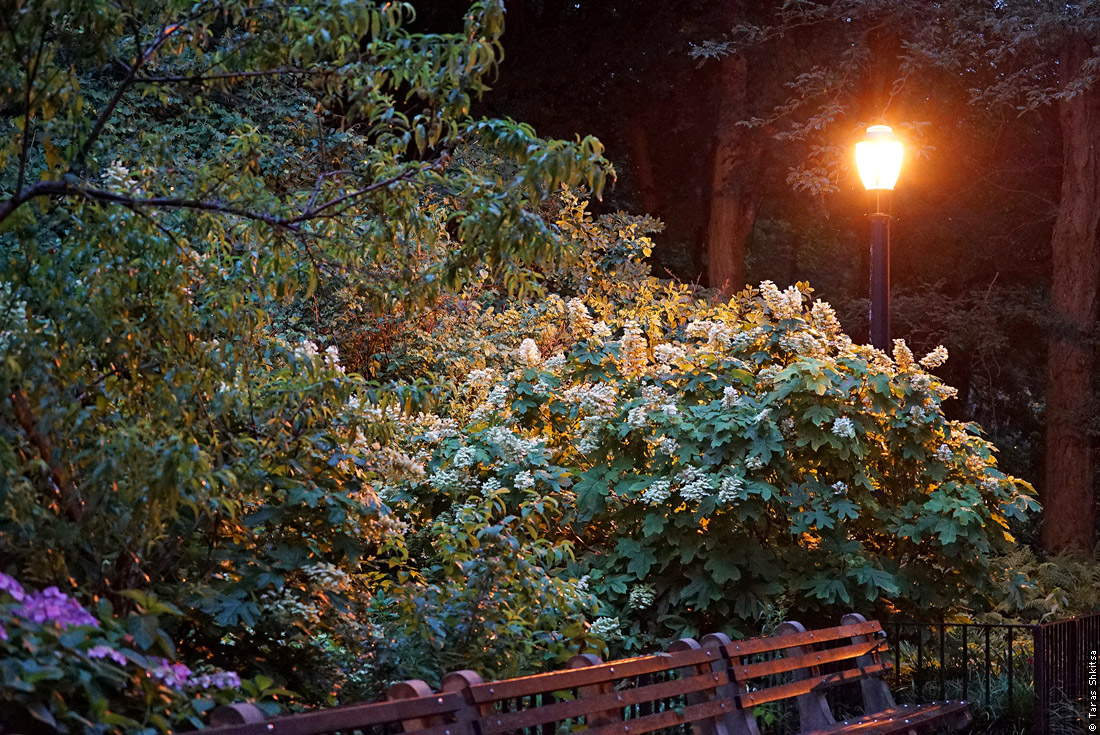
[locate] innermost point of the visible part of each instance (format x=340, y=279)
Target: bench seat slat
x=661, y=720
x=492, y=724
x=745, y=672
x=805, y=686
x=902, y=719
x=525, y=686
x=360, y=716
x=779, y=642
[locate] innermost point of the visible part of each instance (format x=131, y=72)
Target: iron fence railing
x=1017, y=678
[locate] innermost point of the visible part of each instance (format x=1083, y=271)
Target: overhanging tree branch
x=293, y=224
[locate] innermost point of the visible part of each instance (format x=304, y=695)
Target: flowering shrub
x=63, y=669
x=713, y=460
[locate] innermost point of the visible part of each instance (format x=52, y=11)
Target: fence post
x=1039, y=710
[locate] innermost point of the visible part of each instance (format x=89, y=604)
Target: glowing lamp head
x=878, y=158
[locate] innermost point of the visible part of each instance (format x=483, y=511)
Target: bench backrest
x=412, y=709
x=798, y=664
x=664, y=692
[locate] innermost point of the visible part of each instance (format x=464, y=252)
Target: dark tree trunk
x=637, y=138
x=1069, y=515
x=735, y=192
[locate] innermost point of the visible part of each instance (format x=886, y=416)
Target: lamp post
x=878, y=158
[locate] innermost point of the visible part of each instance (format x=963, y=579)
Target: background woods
x=995, y=243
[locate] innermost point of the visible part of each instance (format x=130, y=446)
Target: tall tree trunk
x=637, y=138
x=1069, y=504
x=735, y=191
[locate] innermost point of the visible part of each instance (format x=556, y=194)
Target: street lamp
x=878, y=158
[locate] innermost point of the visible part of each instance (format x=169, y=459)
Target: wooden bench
x=712, y=687
x=412, y=709
x=684, y=686
x=815, y=661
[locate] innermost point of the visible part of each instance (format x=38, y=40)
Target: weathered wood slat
x=775, y=643
x=661, y=720
x=525, y=686
x=363, y=716
x=492, y=724
x=902, y=719
x=814, y=683
x=806, y=660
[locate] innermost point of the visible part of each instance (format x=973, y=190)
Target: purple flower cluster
x=13, y=588
x=107, y=652
x=51, y=605
x=218, y=680
x=178, y=676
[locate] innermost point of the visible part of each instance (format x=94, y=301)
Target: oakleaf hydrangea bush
x=64, y=669
x=709, y=461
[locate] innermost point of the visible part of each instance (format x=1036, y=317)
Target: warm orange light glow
x=878, y=158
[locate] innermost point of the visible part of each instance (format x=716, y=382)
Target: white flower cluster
x=633, y=358
x=117, y=178
x=482, y=378
x=596, y=399
x=718, y=334
x=765, y=378
x=642, y=596
x=903, y=356
x=490, y=486
x=464, y=457
x=580, y=321
x=823, y=319
x=731, y=397
x=606, y=629
x=435, y=428
x=731, y=489
x=668, y=445
x=328, y=577
x=943, y=453
x=935, y=358
x=667, y=353
x=369, y=412
x=514, y=448
x=840, y=487
x=695, y=484
x=554, y=362
x=637, y=417
x=447, y=479
x=332, y=359
x=754, y=463
x=528, y=353
x=285, y=606
x=306, y=349
x=802, y=343
x=746, y=339
x=844, y=428
x=524, y=481
x=782, y=304
x=657, y=493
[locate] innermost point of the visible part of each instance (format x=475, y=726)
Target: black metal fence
x=1040, y=679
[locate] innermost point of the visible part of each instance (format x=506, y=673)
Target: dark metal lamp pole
x=880, y=280
x=878, y=158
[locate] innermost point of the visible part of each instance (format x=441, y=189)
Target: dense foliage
x=273, y=352
x=710, y=461
x=172, y=175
